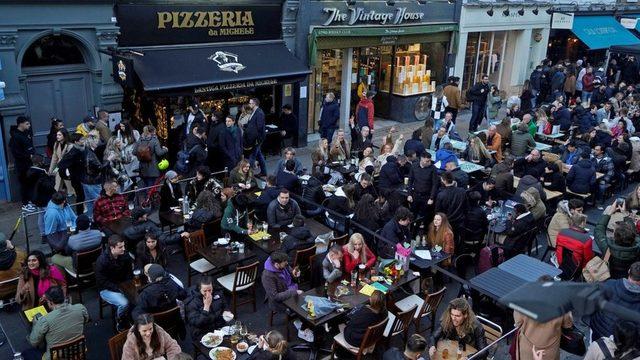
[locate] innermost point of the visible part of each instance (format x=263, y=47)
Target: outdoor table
x=542, y=147
x=273, y=243
x=419, y=264
x=550, y=193
x=469, y=167
x=118, y=226
x=226, y=342
x=566, y=168
x=496, y=283
x=452, y=348
x=222, y=258
x=528, y=268
x=459, y=145
x=173, y=219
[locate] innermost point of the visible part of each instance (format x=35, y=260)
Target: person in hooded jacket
x=581, y=178
x=299, y=238
x=329, y=116
x=446, y=155
x=535, y=205
x=527, y=182
x=231, y=143
x=278, y=280
x=390, y=177
x=396, y=230
x=160, y=294
x=141, y=225
x=21, y=146
x=208, y=208
x=205, y=309
x=622, y=292
x=624, y=245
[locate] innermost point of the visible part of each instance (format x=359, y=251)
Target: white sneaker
x=306, y=335
x=298, y=324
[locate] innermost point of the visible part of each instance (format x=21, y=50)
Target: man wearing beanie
x=160, y=294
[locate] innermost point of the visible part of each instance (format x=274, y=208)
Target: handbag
x=572, y=341
x=597, y=269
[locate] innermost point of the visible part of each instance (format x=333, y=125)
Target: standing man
x=478, y=95
x=21, y=145
x=195, y=117
x=535, y=80
x=452, y=93
x=103, y=126
x=329, y=116
x=423, y=185
x=365, y=111
x=255, y=133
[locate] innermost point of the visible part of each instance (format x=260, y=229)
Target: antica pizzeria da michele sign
x=146, y=24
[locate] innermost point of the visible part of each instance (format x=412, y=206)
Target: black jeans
x=477, y=114
x=25, y=187
x=77, y=187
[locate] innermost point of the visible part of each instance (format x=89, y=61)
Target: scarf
x=45, y=283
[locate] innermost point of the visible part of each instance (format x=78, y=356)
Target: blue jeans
x=116, y=298
x=257, y=155
x=41, y=221
x=91, y=193
x=586, y=96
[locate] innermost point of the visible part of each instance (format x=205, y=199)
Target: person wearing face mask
x=147, y=340
x=205, y=309
x=170, y=192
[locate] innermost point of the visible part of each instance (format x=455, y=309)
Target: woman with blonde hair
x=60, y=148
x=356, y=252
x=339, y=147
x=459, y=323
x=441, y=234
x=542, y=121
x=242, y=176
x=633, y=200
x=389, y=148
x=476, y=152
x=320, y=156
x=245, y=116
x=272, y=346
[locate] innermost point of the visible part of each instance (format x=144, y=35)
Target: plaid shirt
x=112, y=208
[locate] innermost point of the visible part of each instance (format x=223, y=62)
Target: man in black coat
x=21, y=145
x=197, y=148
x=193, y=118
x=395, y=231
x=205, y=309
x=518, y=224
x=452, y=201
x=364, y=186
x=254, y=135
x=478, y=95
x=113, y=267
x=532, y=164
x=390, y=177
x=423, y=185
x=160, y=294
x=216, y=126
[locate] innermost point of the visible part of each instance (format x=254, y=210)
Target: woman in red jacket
x=356, y=252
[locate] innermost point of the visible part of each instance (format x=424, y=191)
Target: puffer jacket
x=278, y=285
x=390, y=177
x=621, y=256
x=527, y=182
x=199, y=321
x=521, y=143
x=536, y=206
x=581, y=177
x=620, y=292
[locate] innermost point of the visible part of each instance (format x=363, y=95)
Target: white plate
x=212, y=353
x=212, y=345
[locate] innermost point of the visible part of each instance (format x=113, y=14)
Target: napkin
x=424, y=254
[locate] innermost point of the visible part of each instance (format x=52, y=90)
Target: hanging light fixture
x=535, y=11
x=490, y=11
x=506, y=12
x=521, y=11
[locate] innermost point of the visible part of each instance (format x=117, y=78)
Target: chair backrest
x=372, y=336
x=431, y=302
x=547, y=221
x=85, y=261
x=74, y=349
x=169, y=320
x=492, y=331
x=402, y=321
x=317, y=277
x=340, y=240
x=245, y=275
x=212, y=229
x=116, y=343
x=193, y=243
x=302, y=259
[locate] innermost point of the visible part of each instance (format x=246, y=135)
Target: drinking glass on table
x=265, y=226
x=244, y=331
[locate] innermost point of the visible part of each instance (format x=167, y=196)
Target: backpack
x=362, y=115
x=143, y=152
x=490, y=256
x=182, y=162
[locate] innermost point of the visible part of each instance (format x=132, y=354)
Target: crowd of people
x=395, y=192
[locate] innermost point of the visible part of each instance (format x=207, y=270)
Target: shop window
x=485, y=54
x=52, y=51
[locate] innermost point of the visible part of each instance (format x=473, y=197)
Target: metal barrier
x=25, y=216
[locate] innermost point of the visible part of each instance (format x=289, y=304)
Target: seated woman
x=332, y=264
x=554, y=178
x=146, y=340
x=208, y=208
x=202, y=181
x=459, y=323
x=170, y=192
x=356, y=252
x=37, y=277
x=476, y=152
x=440, y=234
x=150, y=251
x=242, y=176
x=361, y=318
x=272, y=346
x=236, y=218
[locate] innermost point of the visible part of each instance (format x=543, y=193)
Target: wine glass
x=243, y=331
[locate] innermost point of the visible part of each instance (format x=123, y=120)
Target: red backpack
x=580, y=244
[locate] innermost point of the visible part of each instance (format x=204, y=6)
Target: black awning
x=208, y=68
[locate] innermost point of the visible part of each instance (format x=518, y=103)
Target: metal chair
x=244, y=278
x=116, y=343
x=426, y=307
x=492, y=331
x=192, y=244
x=83, y=273
x=371, y=337
x=74, y=349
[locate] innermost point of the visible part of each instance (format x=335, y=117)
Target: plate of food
x=222, y=353
x=242, y=346
x=212, y=339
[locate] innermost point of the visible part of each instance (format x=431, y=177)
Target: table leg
x=314, y=348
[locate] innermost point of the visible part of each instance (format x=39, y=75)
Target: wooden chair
x=74, y=349
x=170, y=320
x=197, y=265
x=212, y=229
x=372, y=336
x=340, y=240
x=399, y=324
x=84, y=273
x=303, y=261
x=426, y=307
x=244, y=278
x=492, y=331
x=116, y=343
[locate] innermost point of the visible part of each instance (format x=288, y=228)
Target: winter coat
x=621, y=256
x=587, y=82
x=289, y=181
x=390, y=177
x=414, y=145
x=536, y=206
x=427, y=135
x=231, y=144
x=557, y=81
x=493, y=106
x=199, y=321
x=169, y=199
x=329, y=116
x=72, y=166
x=150, y=169
x=475, y=339
x=527, y=182
x=453, y=96
x=233, y=220
x=31, y=297
x=535, y=80
x=197, y=149
x=158, y=296
x=437, y=145
x=478, y=93
x=521, y=143
x=570, y=158
x=168, y=346
x=278, y=215
x=452, y=201
x=445, y=156
x=582, y=177
x=58, y=153
x=620, y=292
x=255, y=131
x=299, y=238
x=359, y=320
x=562, y=117
x=559, y=221
x=56, y=217
x=278, y=285
x=545, y=336
x=330, y=272
x=42, y=185
x=367, y=104
x=21, y=146
x=110, y=271
x=584, y=119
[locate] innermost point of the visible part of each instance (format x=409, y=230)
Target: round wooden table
x=452, y=348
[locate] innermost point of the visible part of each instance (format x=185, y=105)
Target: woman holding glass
x=242, y=176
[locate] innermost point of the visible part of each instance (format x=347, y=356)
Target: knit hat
x=83, y=222
x=137, y=213
x=155, y=271
x=89, y=118
x=170, y=175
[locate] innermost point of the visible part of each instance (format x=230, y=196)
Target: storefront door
x=486, y=54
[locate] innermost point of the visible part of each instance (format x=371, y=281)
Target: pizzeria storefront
x=399, y=50
x=218, y=55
